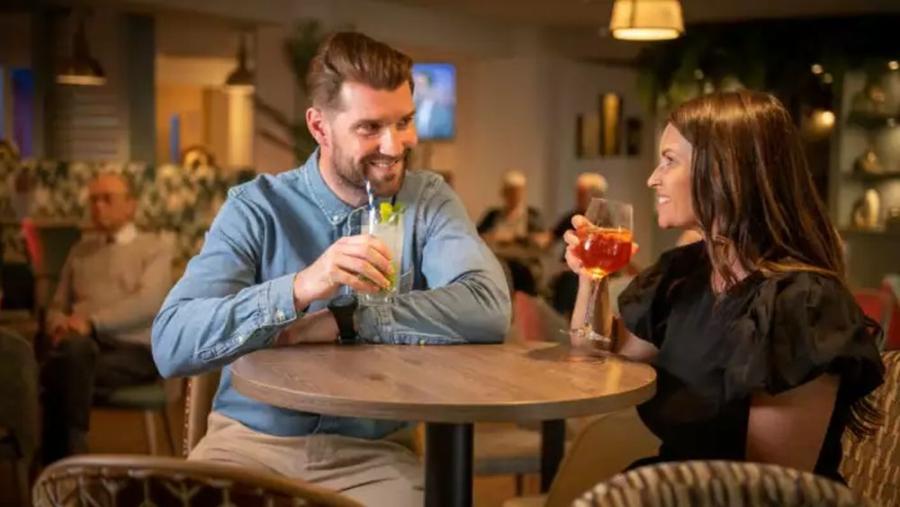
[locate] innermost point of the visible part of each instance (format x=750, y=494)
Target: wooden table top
x=451, y=384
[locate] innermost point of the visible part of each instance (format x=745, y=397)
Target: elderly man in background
x=564, y=287
x=515, y=233
x=515, y=221
x=587, y=186
x=111, y=286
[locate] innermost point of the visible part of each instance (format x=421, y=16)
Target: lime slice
x=386, y=210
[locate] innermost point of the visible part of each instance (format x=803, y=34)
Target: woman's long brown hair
x=754, y=197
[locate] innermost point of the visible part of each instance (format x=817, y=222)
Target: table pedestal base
x=448, y=465
x=553, y=446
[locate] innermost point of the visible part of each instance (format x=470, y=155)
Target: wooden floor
x=123, y=432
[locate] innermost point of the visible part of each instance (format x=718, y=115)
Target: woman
x=760, y=350
x=514, y=232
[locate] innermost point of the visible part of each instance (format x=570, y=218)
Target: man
x=110, y=288
x=515, y=221
x=588, y=186
x=515, y=233
x=281, y=248
x=564, y=287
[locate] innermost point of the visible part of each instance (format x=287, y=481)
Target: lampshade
x=80, y=68
x=646, y=20
x=241, y=78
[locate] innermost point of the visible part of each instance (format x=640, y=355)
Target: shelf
x=872, y=178
x=873, y=120
x=879, y=233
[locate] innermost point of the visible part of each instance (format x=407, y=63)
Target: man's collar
x=126, y=234
x=331, y=205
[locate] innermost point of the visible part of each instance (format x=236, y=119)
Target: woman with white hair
x=517, y=225
x=564, y=287
x=515, y=221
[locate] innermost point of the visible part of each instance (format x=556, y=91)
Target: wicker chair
x=18, y=414
x=719, y=483
x=201, y=389
x=603, y=446
x=872, y=466
x=120, y=480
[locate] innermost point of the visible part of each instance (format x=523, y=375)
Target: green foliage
x=771, y=55
x=299, y=51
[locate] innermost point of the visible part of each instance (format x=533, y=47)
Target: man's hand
x=73, y=325
x=361, y=262
x=79, y=325
x=57, y=334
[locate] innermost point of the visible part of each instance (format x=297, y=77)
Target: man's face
x=513, y=196
x=370, y=136
x=583, y=195
x=111, y=205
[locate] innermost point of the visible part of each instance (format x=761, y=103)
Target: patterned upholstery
x=872, y=466
x=107, y=481
x=201, y=390
x=177, y=202
x=719, y=483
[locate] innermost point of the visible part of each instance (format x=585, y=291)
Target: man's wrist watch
x=344, y=309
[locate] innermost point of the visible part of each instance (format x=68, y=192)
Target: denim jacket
x=236, y=295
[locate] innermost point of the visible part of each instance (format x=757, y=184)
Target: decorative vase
x=868, y=163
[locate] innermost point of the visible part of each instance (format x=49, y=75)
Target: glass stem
x=591, y=309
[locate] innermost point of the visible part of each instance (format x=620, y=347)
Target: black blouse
x=766, y=334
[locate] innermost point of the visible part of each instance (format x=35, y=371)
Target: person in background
x=515, y=221
x=282, y=249
x=564, y=287
x=589, y=185
x=761, y=352
x=515, y=232
x=110, y=288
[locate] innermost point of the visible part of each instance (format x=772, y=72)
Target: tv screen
x=435, y=98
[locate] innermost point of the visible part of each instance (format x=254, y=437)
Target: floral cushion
x=178, y=202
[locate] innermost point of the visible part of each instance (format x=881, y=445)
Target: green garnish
x=390, y=212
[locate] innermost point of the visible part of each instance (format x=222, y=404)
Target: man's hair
x=130, y=184
x=352, y=56
x=593, y=181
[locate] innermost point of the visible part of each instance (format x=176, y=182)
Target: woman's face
x=671, y=180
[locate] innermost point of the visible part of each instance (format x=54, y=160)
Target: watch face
x=344, y=301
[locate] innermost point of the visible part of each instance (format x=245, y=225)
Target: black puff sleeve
x=644, y=305
x=799, y=326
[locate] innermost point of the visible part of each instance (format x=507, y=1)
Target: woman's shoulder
x=644, y=305
x=798, y=325
x=676, y=263
x=796, y=291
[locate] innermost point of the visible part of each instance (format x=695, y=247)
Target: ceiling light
x=80, y=68
x=646, y=20
x=241, y=78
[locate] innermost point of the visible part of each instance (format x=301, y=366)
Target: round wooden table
x=447, y=387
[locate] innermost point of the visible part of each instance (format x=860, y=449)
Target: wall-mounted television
x=435, y=98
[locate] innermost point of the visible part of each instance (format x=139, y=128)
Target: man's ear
x=315, y=122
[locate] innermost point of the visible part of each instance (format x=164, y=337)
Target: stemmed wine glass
x=604, y=247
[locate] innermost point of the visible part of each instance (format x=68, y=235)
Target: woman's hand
x=572, y=242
